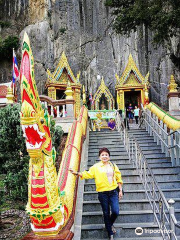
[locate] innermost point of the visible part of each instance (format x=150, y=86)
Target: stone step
x=161, y=160
x=112, y=157
x=124, y=217
x=166, y=177
x=158, y=170
x=105, y=144
x=136, y=177
x=112, y=149
x=154, y=155
x=126, y=186
x=117, y=153
x=137, y=185
x=148, y=148
x=97, y=231
x=99, y=138
x=140, y=137
x=146, y=144
x=159, y=164
x=134, y=194
x=169, y=184
x=125, y=205
x=129, y=194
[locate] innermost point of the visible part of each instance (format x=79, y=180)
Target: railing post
x=52, y=111
x=157, y=130
x=151, y=124
x=166, y=140
x=177, y=143
x=154, y=127
x=145, y=179
x=64, y=111
x=172, y=149
x=57, y=111
x=171, y=212
x=161, y=134
x=154, y=200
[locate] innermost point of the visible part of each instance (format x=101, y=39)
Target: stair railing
x=169, y=141
x=163, y=211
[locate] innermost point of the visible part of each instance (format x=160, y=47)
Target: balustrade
x=168, y=139
x=58, y=108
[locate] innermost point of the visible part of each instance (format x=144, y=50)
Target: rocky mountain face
x=83, y=29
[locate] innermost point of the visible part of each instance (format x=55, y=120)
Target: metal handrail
x=169, y=145
x=153, y=191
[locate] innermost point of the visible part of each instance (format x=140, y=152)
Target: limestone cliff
x=82, y=28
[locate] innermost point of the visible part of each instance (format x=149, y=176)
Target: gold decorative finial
x=84, y=95
x=172, y=85
x=10, y=96
x=69, y=91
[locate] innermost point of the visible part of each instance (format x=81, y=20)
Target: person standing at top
x=136, y=114
x=107, y=178
x=130, y=112
x=112, y=124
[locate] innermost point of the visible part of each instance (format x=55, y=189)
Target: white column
x=45, y=103
x=57, y=111
x=64, y=114
x=52, y=111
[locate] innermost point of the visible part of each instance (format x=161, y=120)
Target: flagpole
x=13, y=70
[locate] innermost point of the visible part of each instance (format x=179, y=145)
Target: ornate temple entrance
x=133, y=96
x=131, y=87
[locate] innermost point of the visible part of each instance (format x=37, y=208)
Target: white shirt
x=136, y=112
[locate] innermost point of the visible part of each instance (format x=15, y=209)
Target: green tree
x=13, y=155
x=162, y=17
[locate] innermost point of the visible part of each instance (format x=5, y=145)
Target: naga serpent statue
x=51, y=196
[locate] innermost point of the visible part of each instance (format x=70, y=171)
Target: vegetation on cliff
x=162, y=17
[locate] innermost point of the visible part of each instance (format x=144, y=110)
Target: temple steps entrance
x=135, y=210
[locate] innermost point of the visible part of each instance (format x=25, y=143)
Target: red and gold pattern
x=50, y=197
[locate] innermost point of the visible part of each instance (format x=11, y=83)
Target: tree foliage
x=160, y=16
x=13, y=155
x=6, y=47
x=14, y=159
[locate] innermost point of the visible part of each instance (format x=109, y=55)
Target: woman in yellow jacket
x=107, y=178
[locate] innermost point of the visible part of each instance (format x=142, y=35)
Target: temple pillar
x=52, y=92
x=121, y=99
x=77, y=102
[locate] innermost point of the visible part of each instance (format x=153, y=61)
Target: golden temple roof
x=131, y=68
x=103, y=89
x=56, y=75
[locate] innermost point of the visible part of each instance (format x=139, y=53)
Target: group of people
x=133, y=112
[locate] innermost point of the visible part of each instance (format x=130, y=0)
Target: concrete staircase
x=135, y=210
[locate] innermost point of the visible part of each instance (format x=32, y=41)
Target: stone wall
x=82, y=28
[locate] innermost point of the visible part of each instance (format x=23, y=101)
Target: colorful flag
x=15, y=68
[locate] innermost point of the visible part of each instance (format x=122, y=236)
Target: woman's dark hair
x=104, y=150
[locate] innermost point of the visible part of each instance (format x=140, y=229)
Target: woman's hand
x=73, y=172
x=120, y=194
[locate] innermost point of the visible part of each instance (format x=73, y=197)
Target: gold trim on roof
x=131, y=67
x=103, y=90
x=55, y=76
